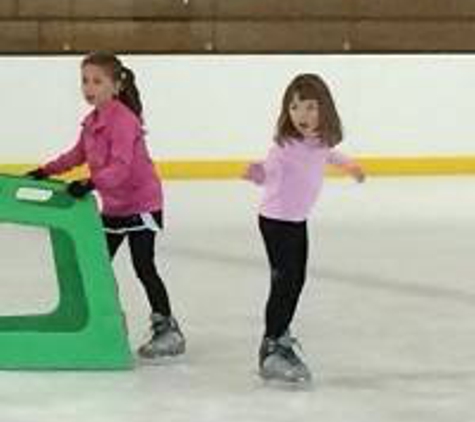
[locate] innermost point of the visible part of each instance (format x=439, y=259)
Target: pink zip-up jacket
x=112, y=144
x=292, y=178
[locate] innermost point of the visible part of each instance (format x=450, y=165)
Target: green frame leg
x=86, y=330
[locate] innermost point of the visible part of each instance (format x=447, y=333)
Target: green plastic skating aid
x=86, y=330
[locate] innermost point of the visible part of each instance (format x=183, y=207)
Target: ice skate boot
x=278, y=361
x=167, y=339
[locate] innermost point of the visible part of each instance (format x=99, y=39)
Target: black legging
x=142, y=250
x=286, y=245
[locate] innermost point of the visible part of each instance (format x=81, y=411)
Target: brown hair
x=128, y=93
x=310, y=87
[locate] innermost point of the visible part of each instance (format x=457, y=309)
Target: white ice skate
x=167, y=340
x=278, y=361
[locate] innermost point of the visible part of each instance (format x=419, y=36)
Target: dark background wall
x=28, y=26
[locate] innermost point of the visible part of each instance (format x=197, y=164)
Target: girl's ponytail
x=128, y=92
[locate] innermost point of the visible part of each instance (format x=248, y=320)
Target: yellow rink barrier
x=222, y=169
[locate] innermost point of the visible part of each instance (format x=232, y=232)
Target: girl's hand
x=354, y=170
x=80, y=188
x=37, y=174
x=359, y=175
x=256, y=173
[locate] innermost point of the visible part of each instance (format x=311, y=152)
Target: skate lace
x=160, y=328
x=286, y=346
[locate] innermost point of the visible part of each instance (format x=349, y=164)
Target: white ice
x=386, y=320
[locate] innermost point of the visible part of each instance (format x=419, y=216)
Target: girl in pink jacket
x=308, y=129
x=112, y=144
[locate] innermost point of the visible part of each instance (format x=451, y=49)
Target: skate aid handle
x=40, y=192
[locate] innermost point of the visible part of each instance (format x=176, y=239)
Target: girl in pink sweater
x=308, y=129
x=112, y=144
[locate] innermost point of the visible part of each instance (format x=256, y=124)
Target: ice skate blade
x=295, y=384
x=161, y=360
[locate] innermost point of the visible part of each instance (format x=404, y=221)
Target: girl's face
x=97, y=85
x=304, y=116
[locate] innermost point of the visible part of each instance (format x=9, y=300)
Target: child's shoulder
x=119, y=111
x=118, y=107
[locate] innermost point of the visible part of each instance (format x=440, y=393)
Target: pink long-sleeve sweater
x=292, y=177
x=112, y=144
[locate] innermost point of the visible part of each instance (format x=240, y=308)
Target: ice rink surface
x=386, y=320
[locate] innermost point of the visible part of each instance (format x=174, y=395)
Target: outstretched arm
x=353, y=169
x=66, y=161
x=347, y=165
x=261, y=172
x=255, y=172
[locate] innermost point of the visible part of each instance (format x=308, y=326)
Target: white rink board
x=209, y=106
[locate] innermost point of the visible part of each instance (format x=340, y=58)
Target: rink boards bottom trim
x=233, y=168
